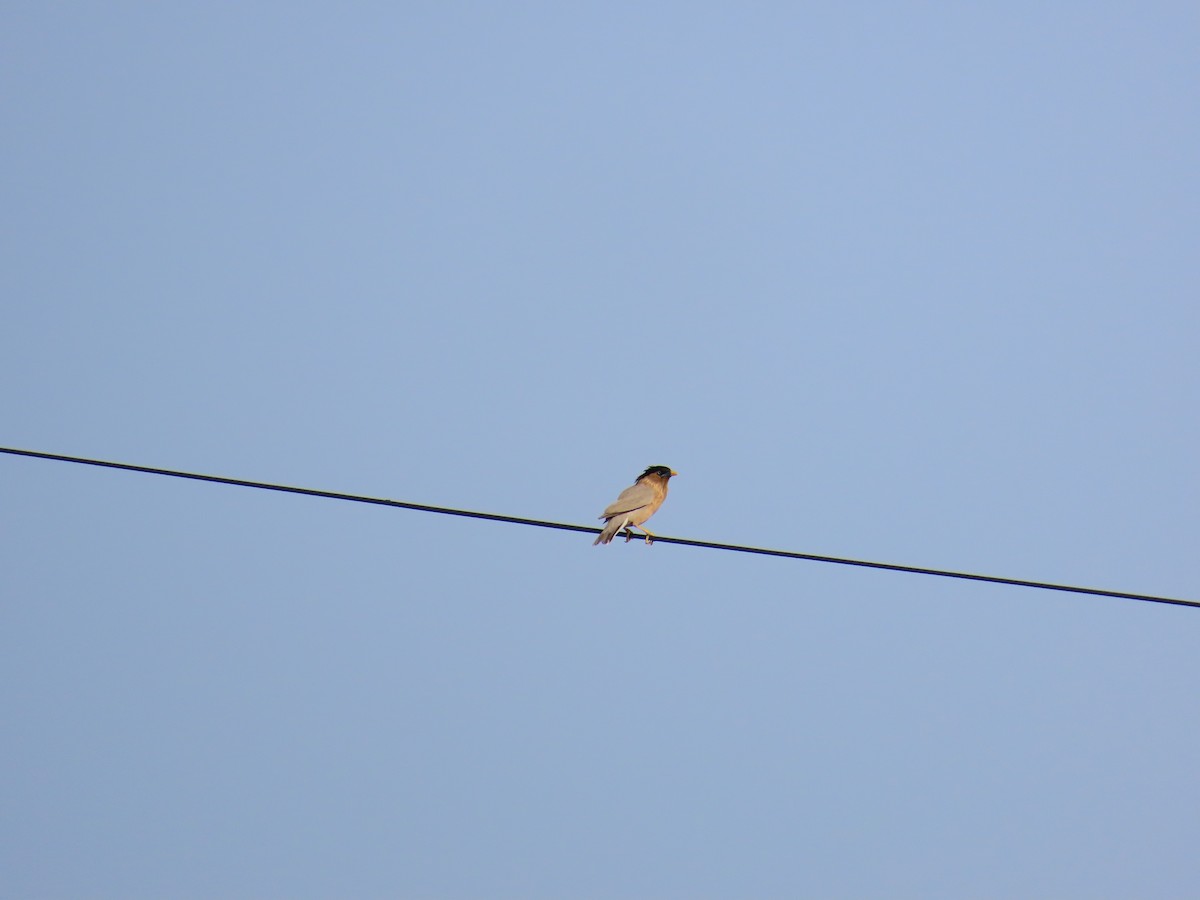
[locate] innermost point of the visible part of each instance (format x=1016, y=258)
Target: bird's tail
x=611, y=527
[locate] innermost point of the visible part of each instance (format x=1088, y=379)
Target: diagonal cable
x=562, y=526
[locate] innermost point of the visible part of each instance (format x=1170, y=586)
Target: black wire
x=539, y=523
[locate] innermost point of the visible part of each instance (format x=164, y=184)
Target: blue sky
x=912, y=283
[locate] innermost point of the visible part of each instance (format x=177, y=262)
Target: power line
x=561, y=526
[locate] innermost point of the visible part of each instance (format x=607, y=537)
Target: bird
x=637, y=503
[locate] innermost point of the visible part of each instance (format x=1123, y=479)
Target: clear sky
x=904, y=282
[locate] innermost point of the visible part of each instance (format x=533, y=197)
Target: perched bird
x=637, y=503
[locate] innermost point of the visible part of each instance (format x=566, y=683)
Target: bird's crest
x=660, y=471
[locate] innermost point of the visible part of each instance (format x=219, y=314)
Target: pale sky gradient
x=906, y=282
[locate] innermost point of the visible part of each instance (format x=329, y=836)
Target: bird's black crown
x=660, y=471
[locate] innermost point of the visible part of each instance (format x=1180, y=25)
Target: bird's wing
x=633, y=497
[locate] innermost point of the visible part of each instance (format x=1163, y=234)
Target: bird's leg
x=629, y=533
